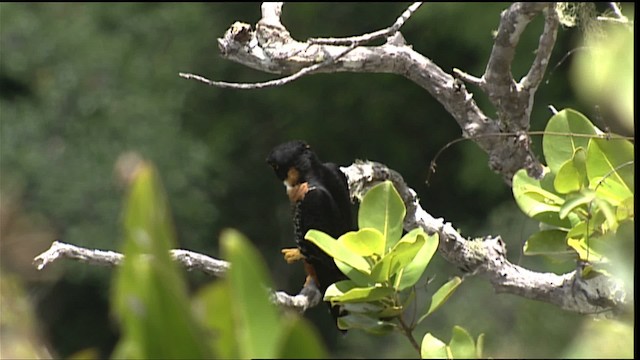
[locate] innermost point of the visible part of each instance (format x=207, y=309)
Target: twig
x=408, y=333
x=365, y=38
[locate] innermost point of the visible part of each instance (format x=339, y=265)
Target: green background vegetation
x=83, y=84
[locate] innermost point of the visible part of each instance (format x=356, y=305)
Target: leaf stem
x=407, y=331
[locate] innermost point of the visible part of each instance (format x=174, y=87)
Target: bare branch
x=308, y=297
x=362, y=39
x=487, y=256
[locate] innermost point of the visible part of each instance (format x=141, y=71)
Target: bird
x=319, y=197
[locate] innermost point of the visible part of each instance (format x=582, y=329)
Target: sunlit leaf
x=382, y=209
x=364, y=242
x=397, y=258
x=413, y=271
x=433, y=348
x=358, y=277
x=480, y=346
x=610, y=168
x=347, y=291
x=576, y=200
x=337, y=250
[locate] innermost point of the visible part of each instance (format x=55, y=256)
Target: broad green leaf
x=573, y=176
x=585, y=252
x=610, y=167
x=382, y=209
x=576, y=200
x=560, y=148
x=207, y=305
x=625, y=210
x=337, y=250
x=547, y=242
x=441, y=296
x=400, y=256
x=360, y=278
x=603, y=206
x=258, y=329
x=364, y=242
x=346, y=291
x=149, y=293
x=366, y=323
x=433, y=348
x=461, y=344
x=301, y=340
x=411, y=273
x=537, y=198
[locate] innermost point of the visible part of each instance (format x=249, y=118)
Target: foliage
x=232, y=318
x=383, y=267
x=586, y=194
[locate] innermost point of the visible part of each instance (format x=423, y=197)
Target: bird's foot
x=292, y=255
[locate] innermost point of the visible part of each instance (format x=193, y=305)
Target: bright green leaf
x=610, y=168
x=441, y=296
x=576, y=200
x=625, y=210
x=433, y=348
x=337, y=250
x=258, y=329
x=364, y=242
x=382, y=209
x=480, y=346
x=585, y=252
x=346, y=291
x=568, y=179
x=461, y=344
x=411, y=273
x=397, y=258
x=537, y=198
x=560, y=148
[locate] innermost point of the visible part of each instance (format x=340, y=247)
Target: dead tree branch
x=270, y=48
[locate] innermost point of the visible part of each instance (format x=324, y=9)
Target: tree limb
x=270, y=48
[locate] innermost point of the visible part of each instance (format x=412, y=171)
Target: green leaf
x=366, y=323
x=610, y=168
x=346, y=291
x=585, y=252
x=411, y=273
x=572, y=175
x=625, y=210
x=547, y=242
x=149, y=293
x=369, y=308
x=207, y=305
x=338, y=251
x=301, y=340
x=258, y=330
x=433, y=348
x=382, y=209
x=400, y=256
x=559, y=149
x=364, y=242
x=461, y=344
x=576, y=200
x=537, y=198
x=441, y=295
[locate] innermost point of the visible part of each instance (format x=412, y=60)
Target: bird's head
x=291, y=161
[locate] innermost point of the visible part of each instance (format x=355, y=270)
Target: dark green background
x=81, y=84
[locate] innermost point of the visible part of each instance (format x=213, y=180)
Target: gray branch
x=270, y=48
x=487, y=256
x=308, y=297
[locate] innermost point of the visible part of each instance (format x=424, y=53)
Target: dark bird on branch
x=319, y=197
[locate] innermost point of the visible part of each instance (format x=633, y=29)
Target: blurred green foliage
x=83, y=84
